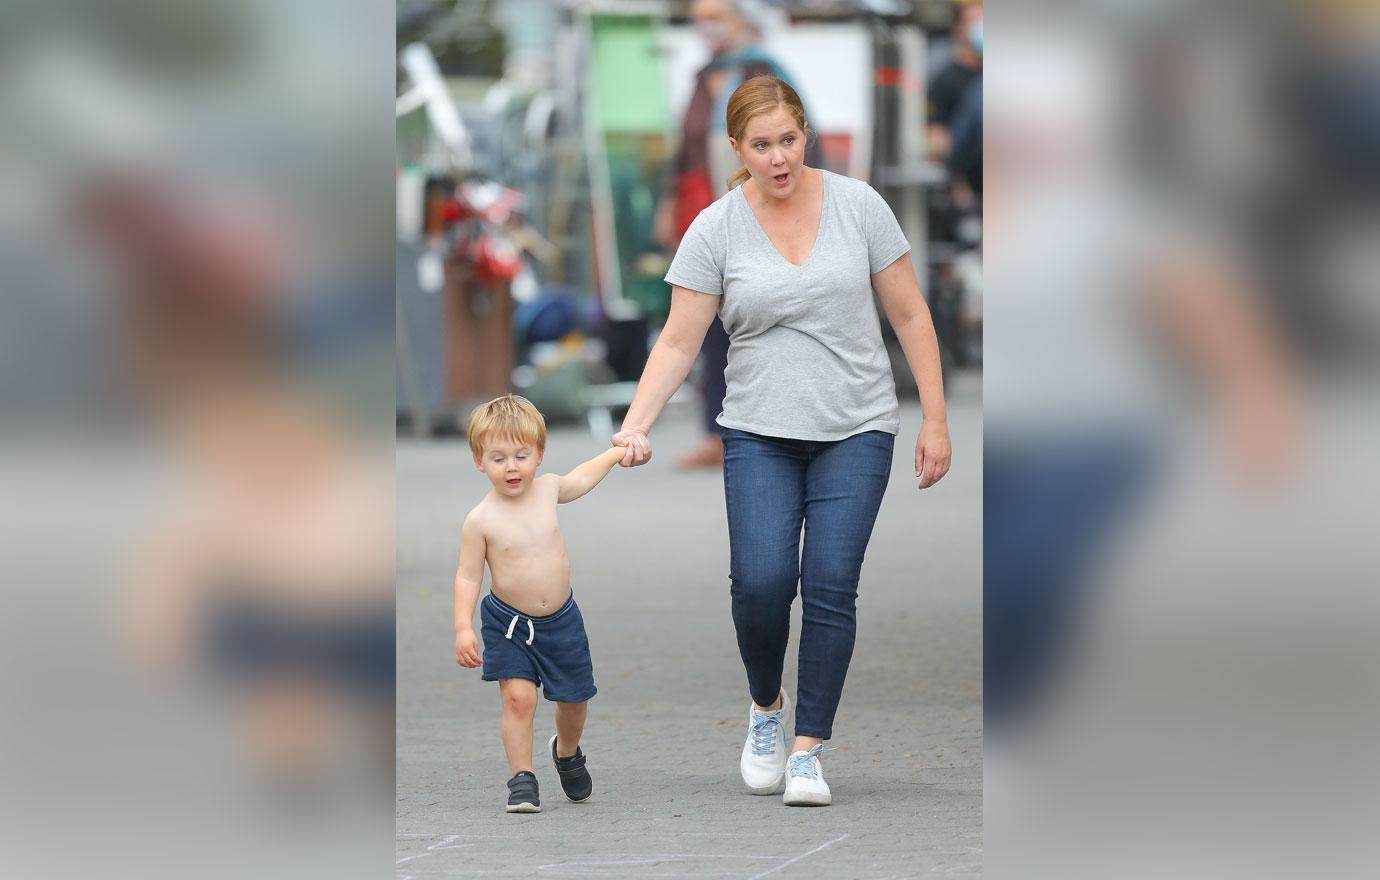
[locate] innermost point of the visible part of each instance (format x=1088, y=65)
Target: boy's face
x=510, y=465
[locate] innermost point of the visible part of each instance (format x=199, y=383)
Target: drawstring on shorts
x=531, y=630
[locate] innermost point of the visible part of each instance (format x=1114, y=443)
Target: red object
x=452, y=211
x=493, y=258
x=895, y=76
x=693, y=195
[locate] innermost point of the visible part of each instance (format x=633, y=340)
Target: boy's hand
x=467, y=649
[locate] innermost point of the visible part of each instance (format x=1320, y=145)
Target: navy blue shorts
x=551, y=650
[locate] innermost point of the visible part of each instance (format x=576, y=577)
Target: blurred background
x=551, y=153
x=1180, y=412
x=196, y=421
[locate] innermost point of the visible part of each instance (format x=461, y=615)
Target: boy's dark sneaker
x=522, y=793
x=575, y=781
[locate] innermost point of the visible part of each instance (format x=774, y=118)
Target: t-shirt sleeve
x=885, y=240
x=699, y=261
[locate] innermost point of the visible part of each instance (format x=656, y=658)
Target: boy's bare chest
x=518, y=538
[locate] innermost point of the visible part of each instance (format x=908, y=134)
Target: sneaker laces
x=764, y=728
x=804, y=764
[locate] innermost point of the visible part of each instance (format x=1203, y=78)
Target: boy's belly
x=535, y=589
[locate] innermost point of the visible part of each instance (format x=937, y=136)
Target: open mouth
x=782, y=179
x=514, y=482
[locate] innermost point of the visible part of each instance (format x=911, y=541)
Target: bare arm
x=909, y=316
x=1202, y=301
x=669, y=363
x=468, y=579
x=586, y=476
x=161, y=604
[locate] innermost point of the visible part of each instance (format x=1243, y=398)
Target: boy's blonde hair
x=507, y=418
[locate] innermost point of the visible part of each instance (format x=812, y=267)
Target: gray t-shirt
x=806, y=358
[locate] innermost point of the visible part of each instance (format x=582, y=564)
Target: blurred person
x=954, y=132
x=197, y=147
x=268, y=574
x=732, y=31
x=1321, y=201
x=1097, y=286
x=965, y=154
x=1209, y=709
x=790, y=260
x=515, y=531
x=266, y=571
x=953, y=81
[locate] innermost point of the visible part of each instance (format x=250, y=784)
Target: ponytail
x=739, y=176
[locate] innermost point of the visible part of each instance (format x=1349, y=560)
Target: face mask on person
x=975, y=35
x=714, y=34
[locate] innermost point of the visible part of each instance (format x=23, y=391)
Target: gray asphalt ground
x=649, y=550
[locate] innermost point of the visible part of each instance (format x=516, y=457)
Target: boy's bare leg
x=519, y=708
x=570, y=725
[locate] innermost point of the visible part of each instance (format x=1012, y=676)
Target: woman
x=789, y=259
x=732, y=30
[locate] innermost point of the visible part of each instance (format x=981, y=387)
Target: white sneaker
x=805, y=785
x=763, y=763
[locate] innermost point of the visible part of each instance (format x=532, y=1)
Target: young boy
x=534, y=635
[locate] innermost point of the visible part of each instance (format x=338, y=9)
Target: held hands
x=637, y=448
x=932, y=453
x=467, y=649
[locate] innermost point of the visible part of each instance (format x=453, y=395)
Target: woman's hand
x=932, y=453
x=637, y=447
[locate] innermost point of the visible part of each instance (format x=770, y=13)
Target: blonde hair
x=506, y=418
x=756, y=96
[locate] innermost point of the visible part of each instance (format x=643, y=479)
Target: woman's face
x=773, y=151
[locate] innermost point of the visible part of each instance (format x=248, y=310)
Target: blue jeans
x=774, y=486
x=1046, y=513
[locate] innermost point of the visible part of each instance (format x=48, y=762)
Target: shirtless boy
x=534, y=635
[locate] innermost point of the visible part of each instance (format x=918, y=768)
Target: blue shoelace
x=804, y=765
x=764, y=731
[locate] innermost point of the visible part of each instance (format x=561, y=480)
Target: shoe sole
x=551, y=748
x=809, y=801
x=524, y=808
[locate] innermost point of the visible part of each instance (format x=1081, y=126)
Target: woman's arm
x=905, y=308
x=667, y=366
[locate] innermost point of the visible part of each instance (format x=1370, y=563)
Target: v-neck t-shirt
x=806, y=359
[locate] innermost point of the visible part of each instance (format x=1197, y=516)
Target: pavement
x=649, y=554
